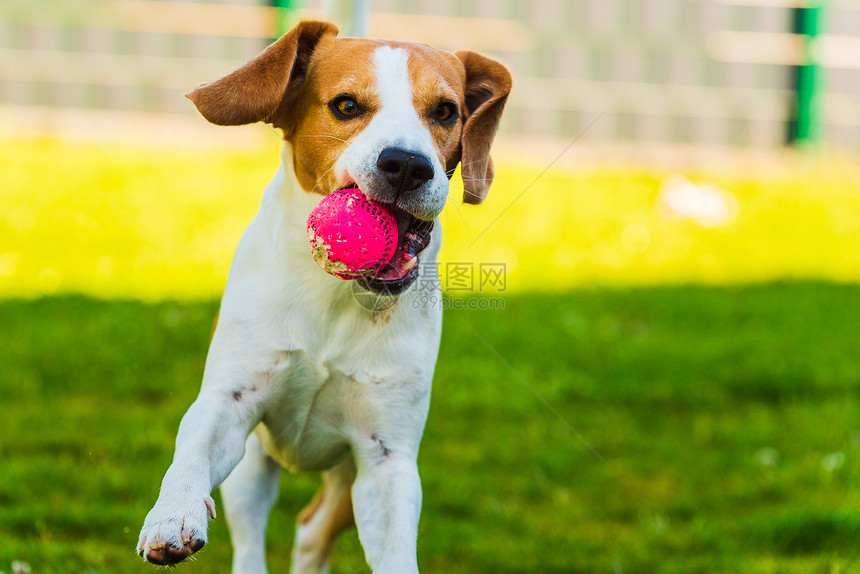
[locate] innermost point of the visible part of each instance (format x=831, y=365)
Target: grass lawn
x=132, y=221
x=711, y=428
x=726, y=422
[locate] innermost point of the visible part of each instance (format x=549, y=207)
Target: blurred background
x=665, y=379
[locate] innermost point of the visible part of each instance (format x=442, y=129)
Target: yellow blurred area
x=119, y=220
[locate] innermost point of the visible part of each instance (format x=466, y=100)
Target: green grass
x=131, y=221
x=726, y=420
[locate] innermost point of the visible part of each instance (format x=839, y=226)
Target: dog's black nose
x=405, y=170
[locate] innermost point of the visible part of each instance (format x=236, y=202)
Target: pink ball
x=351, y=236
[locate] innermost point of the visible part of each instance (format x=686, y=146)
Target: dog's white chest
x=319, y=400
x=328, y=367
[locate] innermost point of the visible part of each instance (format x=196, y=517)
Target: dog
x=301, y=374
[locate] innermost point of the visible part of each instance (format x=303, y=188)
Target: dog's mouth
x=413, y=237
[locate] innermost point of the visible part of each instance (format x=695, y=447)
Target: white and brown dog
x=299, y=374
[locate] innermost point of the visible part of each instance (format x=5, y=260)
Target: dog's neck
x=283, y=213
x=290, y=199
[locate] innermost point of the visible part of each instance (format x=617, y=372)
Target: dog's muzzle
x=404, y=170
x=403, y=269
x=400, y=183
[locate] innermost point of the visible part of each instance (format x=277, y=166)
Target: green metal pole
x=286, y=15
x=809, y=23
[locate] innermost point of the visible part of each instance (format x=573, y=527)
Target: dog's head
x=392, y=118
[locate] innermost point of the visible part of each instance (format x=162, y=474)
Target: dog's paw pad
x=164, y=554
x=169, y=537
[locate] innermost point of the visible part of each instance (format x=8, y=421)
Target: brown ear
x=488, y=84
x=254, y=92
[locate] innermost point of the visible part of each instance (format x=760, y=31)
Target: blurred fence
x=711, y=72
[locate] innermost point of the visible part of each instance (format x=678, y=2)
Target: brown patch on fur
x=336, y=522
x=338, y=66
x=258, y=90
x=342, y=66
x=214, y=326
x=488, y=84
x=437, y=77
x=308, y=512
x=382, y=316
x=290, y=84
x=342, y=518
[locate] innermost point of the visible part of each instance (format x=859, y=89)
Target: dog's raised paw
x=164, y=554
x=170, y=535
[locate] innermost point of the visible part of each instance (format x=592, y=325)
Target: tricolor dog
x=300, y=374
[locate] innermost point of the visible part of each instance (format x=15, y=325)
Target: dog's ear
x=488, y=84
x=257, y=91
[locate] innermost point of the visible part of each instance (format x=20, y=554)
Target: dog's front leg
x=386, y=499
x=210, y=442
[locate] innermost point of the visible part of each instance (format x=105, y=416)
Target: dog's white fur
x=300, y=375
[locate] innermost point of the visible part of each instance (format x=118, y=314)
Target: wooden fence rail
x=666, y=71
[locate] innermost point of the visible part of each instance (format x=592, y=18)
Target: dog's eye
x=344, y=107
x=445, y=113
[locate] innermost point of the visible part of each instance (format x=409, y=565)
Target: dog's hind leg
x=249, y=494
x=321, y=521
